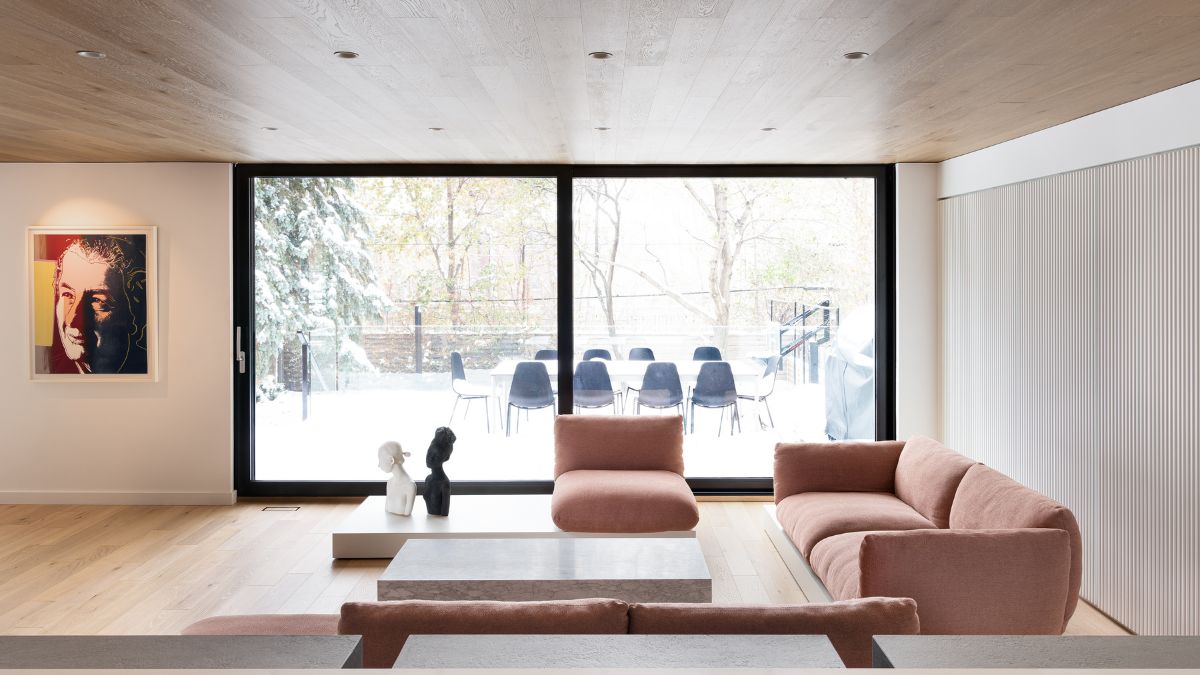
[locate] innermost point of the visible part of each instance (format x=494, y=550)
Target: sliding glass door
x=378, y=303
x=383, y=306
x=747, y=304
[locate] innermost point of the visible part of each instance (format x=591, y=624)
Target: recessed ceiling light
x=90, y=54
x=437, y=128
x=603, y=128
x=344, y=54
x=600, y=55
x=856, y=56
x=769, y=129
x=270, y=128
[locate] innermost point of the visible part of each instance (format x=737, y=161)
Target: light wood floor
x=153, y=570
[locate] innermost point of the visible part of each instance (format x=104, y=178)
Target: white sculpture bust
x=401, y=490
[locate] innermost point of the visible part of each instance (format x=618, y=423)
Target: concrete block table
x=618, y=651
x=1035, y=651
x=630, y=569
x=179, y=651
x=371, y=532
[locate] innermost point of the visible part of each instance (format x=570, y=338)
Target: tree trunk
x=451, y=258
x=720, y=276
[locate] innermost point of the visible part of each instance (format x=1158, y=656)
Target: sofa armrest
x=835, y=467
x=973, y=582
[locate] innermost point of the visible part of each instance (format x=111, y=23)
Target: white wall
x=918, y=378
x=1071, y=313
x=164, y=442
x=1164, y=121
x=1070, y=303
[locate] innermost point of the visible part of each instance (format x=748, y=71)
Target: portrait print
x=91, y=301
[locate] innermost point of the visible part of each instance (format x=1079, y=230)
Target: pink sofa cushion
x=651, y=443
x=927, y=475
x=835, y=562
x=265, y=624
x=850, y=466
x=809, y=517
x=623, y=502
x=849, y=625
x=385, y=626
x=987, y=499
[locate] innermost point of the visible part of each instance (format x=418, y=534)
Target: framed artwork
x=92, y=303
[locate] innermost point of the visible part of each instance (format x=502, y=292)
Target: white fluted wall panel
x=1071, y=362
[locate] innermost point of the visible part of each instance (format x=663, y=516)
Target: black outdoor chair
x=546, y=355
x=766, y=386
x=661, y=388
x=592, y=388
x=530, y=390
x=465, y=390
x=706, y=354
x=597, y=354
x=715, y=389
x=636, y=354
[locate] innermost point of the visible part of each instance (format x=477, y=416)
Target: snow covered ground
x=344, y=429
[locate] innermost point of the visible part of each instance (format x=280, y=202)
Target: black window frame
x=243, y=289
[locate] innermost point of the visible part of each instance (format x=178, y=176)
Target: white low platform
x=806, y=579
x=372, y=532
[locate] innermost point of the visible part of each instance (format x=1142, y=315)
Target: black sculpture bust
x=437, y=483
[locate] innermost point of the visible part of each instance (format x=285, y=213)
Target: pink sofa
x=621, y=474
x=980, y=553
x=385, y=626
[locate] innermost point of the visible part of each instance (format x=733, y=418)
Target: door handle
x=239, y=354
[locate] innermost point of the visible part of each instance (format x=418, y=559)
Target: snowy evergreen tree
x=312, y=270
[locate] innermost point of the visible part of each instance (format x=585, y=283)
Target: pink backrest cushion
x=846, y=466
x=385, y=626
x=597, y=442
x=927, y=475
x=849, y=623
x=987, y=499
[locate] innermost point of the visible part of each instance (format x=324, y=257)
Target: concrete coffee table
x=618, y=651
x=125, y=652
x=1035, y=651
x=630, y=569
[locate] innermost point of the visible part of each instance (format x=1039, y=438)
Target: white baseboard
x=123, y=498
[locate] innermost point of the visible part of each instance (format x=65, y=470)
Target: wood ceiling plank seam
x=605, y=28
x=557, y=9
x=410, y=9
x=637, y=96
x=651, y=23
x=690, y=118
x=750, y=75
x=690, y=46
x=467, y=26
x=340, y=85
x=743, y=26
x=561, y=42
x=525, y=60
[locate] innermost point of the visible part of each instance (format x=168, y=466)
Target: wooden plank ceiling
x=690, y=81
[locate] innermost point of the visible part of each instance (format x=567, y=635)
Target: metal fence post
x=419, y=351
x=305, y=376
